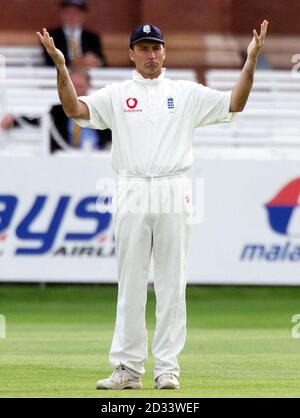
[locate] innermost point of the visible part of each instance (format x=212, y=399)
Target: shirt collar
x=140, y=79
x=69, y=32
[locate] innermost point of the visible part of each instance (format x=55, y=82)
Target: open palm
x=48, y=42
x=258, y=41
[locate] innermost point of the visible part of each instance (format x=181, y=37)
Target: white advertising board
x=51, y=231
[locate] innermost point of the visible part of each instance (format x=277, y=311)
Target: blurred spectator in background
x=262, y=61
x=79, y=46
x=65, y=133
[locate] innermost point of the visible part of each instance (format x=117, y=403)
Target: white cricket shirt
x=153, y=121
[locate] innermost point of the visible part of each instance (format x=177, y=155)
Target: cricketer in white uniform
x=152, y=119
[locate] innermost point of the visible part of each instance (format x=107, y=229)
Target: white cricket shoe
x=167, y=381
x=121, y=378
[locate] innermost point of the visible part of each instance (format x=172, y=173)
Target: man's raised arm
x=67, y=94
x=241, y=90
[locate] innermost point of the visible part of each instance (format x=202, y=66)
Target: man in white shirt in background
x=152, y=119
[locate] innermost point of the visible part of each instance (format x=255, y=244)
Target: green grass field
x=239, y=342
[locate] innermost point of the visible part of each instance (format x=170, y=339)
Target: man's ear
x=131, y=54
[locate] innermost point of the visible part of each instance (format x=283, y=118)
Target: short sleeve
x=100, y=109
x=210, y=106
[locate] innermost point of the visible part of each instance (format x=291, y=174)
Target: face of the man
x=148, y=57
x=80, y=83
x=72, y=17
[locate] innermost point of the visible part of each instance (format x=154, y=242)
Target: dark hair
x=79, y=4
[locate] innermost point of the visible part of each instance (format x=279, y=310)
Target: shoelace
x=119, y=374
x=168, y=375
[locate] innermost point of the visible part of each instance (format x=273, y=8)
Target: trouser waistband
x=162, y=177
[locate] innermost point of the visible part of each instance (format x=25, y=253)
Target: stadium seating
x=271, y=117
x=198, y=49
x=46, y=77
x=31, y=91
x=22, y=56
x=30, y=140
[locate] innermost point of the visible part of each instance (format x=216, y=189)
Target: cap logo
x=147, y=29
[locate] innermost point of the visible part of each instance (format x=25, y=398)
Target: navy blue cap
x=81, y=4
x=146, y=32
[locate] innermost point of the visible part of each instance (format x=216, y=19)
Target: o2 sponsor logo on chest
x=132, y=105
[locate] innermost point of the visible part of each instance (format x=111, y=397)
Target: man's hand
x=257, y=42
x=242, y=88
x=72, y=106
x=48, y=42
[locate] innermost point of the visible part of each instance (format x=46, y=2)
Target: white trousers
x=151, y=216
